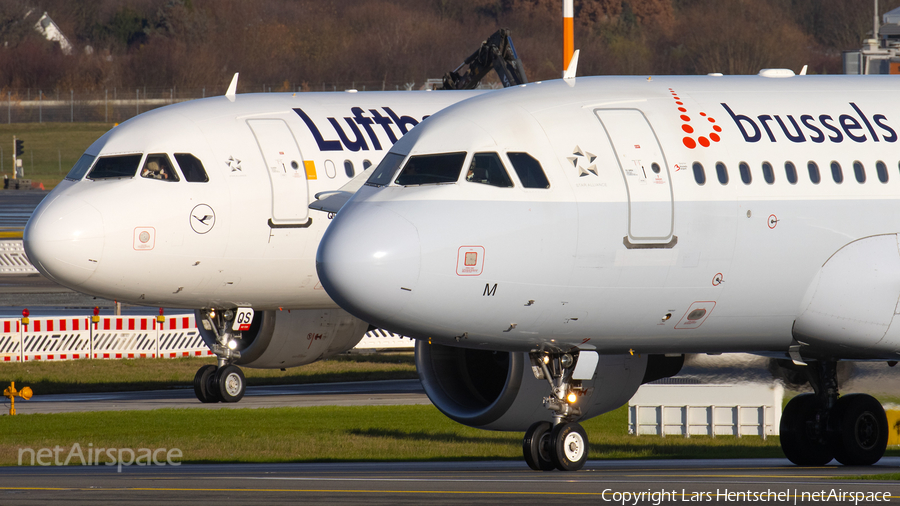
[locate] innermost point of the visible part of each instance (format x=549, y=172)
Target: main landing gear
x=563, y=444
x=818, y=427
x=225, y=381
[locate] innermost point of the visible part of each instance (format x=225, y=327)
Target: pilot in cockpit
x=158, y=167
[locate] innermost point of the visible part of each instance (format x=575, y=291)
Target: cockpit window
x=431, y=169
x=486, y=168
x=81, y=167
x=386, y=169
x=159, y=167
x=529, y=170
x=192, y=168
x=109, y=167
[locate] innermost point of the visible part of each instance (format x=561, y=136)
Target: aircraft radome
x=553, y=246
x=204, y=205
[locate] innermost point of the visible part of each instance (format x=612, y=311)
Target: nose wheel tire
x=231, y=383
x=862, y=430
x=536, y=447
x=569, y=446
x=202, y=383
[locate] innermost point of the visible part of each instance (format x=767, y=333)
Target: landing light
x=571, y=397
x=232, y=344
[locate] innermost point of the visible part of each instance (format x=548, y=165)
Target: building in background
x=879, y=55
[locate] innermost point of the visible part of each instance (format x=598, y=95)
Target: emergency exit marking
x=470, y=261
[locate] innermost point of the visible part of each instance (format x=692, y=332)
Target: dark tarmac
x=633, y=482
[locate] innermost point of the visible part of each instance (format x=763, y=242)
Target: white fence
x=711, y=410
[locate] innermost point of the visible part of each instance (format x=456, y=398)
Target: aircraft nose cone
x=368, y=262
x=64, y=240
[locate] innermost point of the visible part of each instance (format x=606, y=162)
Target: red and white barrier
x=125, y=337
x=380, y=340
x=55, y=339
x=179, y=337
x=10, y=341
x=112, y=337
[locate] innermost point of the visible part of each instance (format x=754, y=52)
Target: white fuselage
x=614, y=256
x=243, y=238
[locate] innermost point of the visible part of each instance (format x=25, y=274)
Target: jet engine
x=498, y=391
x=290, y=338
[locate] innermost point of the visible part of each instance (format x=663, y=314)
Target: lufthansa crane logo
x=700, y=130
x=203, y=218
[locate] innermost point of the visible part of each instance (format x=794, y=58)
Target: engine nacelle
x=290, y=338
x=497, y=390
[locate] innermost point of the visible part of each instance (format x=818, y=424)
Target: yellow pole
x=568, y=33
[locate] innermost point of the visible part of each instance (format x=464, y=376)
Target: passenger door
x=284, y=164
x=644, y=168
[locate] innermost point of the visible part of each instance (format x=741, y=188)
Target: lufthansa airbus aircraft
x=204, y=205
x=553, y=246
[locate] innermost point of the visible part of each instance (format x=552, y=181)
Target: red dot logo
x=699, y=127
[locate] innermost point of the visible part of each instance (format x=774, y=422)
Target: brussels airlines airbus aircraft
x=558, y=244
x=203, y=205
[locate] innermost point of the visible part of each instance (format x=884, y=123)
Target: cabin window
x=859, y=171
x=791, y=172
x=81, y=167
x=348, y=168
x=814, y=176
x=529, y=170
x=881, y=169
x=192, y=168
x=366, y=164
x=836, y=172
x=158, y=166
x=746, y=177
x=384, y=173
x=722, y=173
x=768, y=172
x=486, y=168
x=699, y=173
x=431, y=169
x=110, y=167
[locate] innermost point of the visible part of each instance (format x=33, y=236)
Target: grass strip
x=88, y=376
x=318, y=434
x=51, y=149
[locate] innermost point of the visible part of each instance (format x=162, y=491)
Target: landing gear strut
x=818, y=427
x=563, y=444
x=224, y=382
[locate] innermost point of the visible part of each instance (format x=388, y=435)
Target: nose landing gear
x=563, y=444
x=225, y=382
